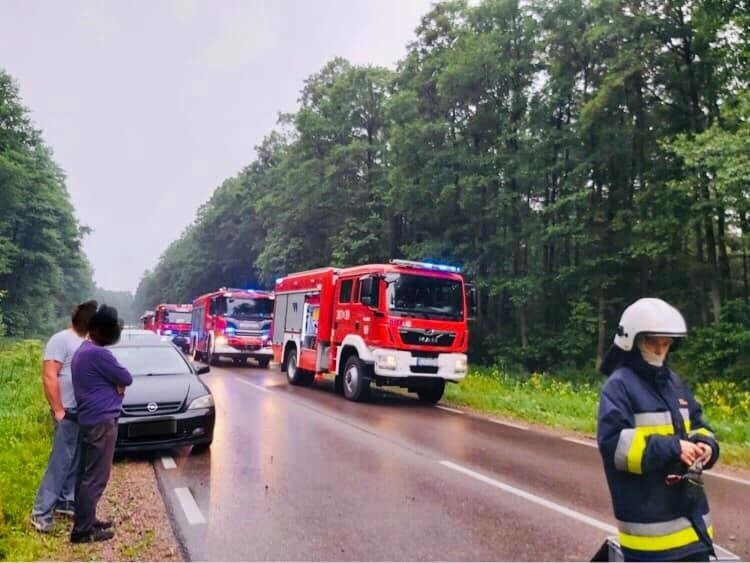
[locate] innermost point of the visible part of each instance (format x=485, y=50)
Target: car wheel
x=433, y=393
x=263, y=362
x=356, y=381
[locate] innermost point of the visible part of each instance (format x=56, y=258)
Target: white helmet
x=649, y=316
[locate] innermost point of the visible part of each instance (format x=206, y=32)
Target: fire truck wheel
x=292, y=371
x=195, y=353
x=212, y=358
x=356, y=383
x=432, y=393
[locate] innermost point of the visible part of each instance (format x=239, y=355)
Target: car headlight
x=221, y=340
x=461, y=365
x=203, y=402
x=386, y=361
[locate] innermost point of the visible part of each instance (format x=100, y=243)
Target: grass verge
x=572, y=405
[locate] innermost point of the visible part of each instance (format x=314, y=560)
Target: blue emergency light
x=427, y=266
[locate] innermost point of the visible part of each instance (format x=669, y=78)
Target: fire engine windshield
x=178, y=317
x=247, y=309
x=424, y=296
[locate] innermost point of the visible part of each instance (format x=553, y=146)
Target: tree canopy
x=43, y=271
x=570, y=155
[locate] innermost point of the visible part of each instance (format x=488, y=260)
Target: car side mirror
x=203, y=369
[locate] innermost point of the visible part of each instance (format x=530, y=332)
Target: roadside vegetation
x=569, y=401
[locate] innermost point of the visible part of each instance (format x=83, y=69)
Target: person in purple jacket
x=99, y=383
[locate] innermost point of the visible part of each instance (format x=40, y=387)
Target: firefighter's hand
x=706, y=452
x=120, y=389
x=689, y=452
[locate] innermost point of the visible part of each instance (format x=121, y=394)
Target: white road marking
x=251, y=384
x=588, y=443
x=442, y=408
x=189, y=506
x=727, y=477
x=168, y=462
x=506, y=423
x=608, y=528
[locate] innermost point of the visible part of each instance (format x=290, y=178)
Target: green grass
x=25, y=440
x=565, y=403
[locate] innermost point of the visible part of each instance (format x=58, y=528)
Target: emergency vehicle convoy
x=234, y=323
x=401, y=324
x=173, y=323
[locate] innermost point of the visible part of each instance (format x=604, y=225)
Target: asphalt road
x=302, y=474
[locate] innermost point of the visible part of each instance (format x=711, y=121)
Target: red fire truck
x=234, y=323
x=172, y=322
x=402, y=324
x=147, y=320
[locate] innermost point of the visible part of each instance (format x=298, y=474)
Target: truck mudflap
x=412, y=364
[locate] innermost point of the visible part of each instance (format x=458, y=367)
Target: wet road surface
x=302, y=474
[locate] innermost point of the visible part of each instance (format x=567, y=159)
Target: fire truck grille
x=167, y=407
x=427, y=337
x=424, y=369
x=257, y=333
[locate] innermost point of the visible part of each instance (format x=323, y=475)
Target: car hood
x=159, y=389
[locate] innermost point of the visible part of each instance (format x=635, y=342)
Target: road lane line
x=168, y=462
x=189, y=506
x=506, y=423
x=588, y=443
x=727, y=477
x=442, y=408
x=608, y=528
x=251, y=384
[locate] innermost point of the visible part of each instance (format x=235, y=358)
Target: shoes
x=102, y=524
x=93, y=536
x=41, y=526
x=67, y=507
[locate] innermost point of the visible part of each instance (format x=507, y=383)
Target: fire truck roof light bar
x=427, y=266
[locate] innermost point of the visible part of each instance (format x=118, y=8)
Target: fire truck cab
x=402, y=324
x=233, y=323
x=172, y=322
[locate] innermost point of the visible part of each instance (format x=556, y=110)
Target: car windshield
x=425, y=296
x=246, y=308
x=177, y=317
x=151, y=360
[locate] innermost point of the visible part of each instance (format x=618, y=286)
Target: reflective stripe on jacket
x=642, y=417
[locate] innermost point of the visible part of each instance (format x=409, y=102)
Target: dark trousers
x=97, y=451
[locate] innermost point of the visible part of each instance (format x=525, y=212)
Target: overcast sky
x=149, y=105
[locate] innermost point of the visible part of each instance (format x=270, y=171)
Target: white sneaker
x=40, y=525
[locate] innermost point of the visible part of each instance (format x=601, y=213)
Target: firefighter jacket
x=644, y=411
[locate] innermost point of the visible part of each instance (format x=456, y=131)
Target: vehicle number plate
x=161, y=428
x=432, y=362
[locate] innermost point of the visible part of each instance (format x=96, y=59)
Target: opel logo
x=152, y=407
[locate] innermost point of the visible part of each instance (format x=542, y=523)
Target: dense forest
x=570, y=155
x=43, y=271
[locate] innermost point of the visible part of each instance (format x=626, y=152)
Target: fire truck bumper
x=237, y=349
x=402, y=363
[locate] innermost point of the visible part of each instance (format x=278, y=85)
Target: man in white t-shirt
x=56, y=491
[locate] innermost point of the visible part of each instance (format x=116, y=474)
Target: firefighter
x=654, y=442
